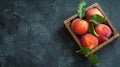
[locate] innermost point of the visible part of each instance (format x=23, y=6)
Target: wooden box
x=115, y=34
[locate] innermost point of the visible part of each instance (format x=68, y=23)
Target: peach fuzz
x=89, y=41
x=103, y=32
x=79, y=26
x=92, y=12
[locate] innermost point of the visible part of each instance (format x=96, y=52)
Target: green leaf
x=97, y=19
x=93, y=59
x=92, y=30
x=84, y=51
x=81, y=9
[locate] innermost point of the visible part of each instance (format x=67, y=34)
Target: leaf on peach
x=92, y=30
x=97, y=19
x=81, y=9
x=84, y=51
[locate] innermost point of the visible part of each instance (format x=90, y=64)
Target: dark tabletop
x=32, y=34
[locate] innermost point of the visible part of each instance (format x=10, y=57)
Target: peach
x=103, y=32
x=79, y=26
x=89, y=41
x=92, y=12
x=102, y=39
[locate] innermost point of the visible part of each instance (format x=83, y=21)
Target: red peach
x=89, y=41
x=102, y=39
x=93, y=11
x=103, y=32
x=79, y=26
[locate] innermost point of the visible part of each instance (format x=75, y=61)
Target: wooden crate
x=115, y=34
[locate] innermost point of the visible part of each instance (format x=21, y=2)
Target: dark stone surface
x=32, y=34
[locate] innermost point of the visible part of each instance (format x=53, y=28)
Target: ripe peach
x=79, y=26
x=103, y=32
x=93, y=11
x=102, y=39
x=89, y=40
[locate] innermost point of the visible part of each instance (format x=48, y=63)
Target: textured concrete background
x=32, y=34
